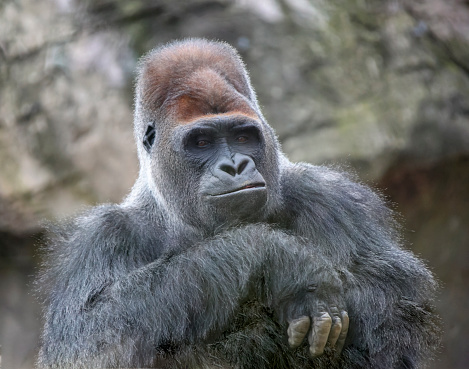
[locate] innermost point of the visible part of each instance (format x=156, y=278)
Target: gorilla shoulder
x=318, y=198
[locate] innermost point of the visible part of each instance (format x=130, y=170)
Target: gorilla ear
x=149, y=137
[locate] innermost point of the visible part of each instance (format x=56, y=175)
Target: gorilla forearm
x=389, y=297
x=161, y=303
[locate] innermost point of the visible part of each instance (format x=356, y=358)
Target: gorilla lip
x=250, y=186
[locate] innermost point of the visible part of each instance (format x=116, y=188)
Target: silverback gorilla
x=226, y=254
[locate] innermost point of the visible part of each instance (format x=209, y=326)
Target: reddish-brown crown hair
x=193, y=78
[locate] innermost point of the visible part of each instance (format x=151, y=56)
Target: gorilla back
x=226, y=254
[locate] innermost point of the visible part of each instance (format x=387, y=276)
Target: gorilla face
x=227, y=152
x=212, y=171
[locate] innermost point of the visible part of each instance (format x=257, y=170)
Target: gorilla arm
x=110, y=305
x=388, y=291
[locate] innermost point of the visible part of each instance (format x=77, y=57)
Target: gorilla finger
x=319, y=334
x=297, y=330
x=343, y=332
x=335, y=330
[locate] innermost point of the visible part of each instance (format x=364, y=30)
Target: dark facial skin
x=227, y=151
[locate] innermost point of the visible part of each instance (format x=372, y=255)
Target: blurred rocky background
x=378, y=87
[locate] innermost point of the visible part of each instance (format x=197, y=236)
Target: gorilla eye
x=242, y=139
x=202, y=143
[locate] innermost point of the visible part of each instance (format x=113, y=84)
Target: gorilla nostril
x=234, y=168
x=242, y=166
x=228, y=169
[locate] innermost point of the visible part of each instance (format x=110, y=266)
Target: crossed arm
x=102, y=313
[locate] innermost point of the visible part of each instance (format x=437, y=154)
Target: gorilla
x=225, y=254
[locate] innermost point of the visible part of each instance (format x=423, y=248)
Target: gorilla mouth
x=249, y=186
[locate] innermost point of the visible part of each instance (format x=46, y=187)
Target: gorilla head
x=204, y=147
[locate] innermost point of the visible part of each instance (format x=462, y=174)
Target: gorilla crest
x=225, y=253
x=192, y=80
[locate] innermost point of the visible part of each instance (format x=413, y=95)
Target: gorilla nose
x=237, y=165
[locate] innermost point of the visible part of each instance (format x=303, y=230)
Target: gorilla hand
x=325, y=329
x=314, y=307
